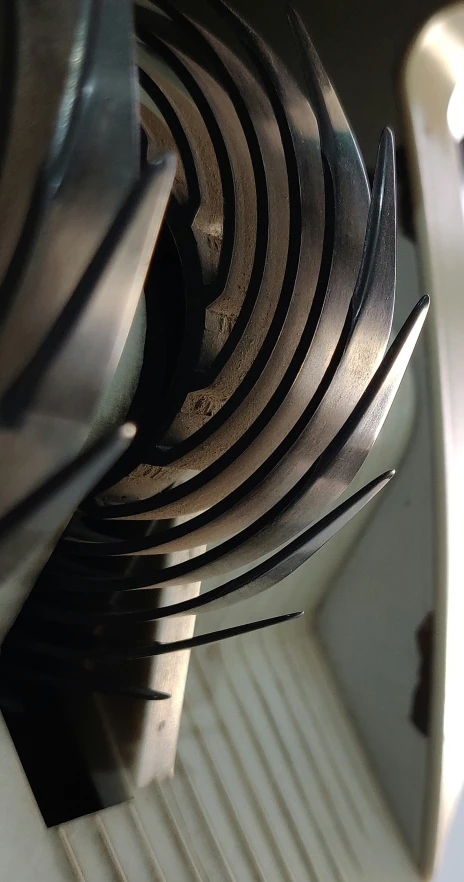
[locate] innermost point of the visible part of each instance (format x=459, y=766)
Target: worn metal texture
x=265, y=378
x=73, y=283
x=300, y=375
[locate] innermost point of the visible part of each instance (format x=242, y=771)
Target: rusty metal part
x=72, y=288
x=320, y=419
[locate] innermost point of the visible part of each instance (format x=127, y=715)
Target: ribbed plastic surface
x=270, y=784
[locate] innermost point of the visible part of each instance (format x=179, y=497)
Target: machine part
x=275, y=568
x=265, y=378
x=82, y=256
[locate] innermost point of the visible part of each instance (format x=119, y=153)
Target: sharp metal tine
x=260, y=110
x=212, y=637
x=162, y=92
x=351, y=201
x=385, y=163
x=332, y=119
x=300, y=410
x=223, y=143
x=320, y=532
x=110, y=652
x=60, y=421
x=344, y=454
x=302, y=158
x=18, y=669
x=375, y=291
x=315, y=430
x=49, y=405
x=244, y=217
x=284, y=562
x=243, y=587
x=337, y=140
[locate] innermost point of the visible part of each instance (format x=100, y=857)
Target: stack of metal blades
x=80, y=223
x=266, y=375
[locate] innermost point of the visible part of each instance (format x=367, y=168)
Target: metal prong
x=108, y=653
x=249, y=584
x=212, y=637
x=281, y=522
x=124, y=255
x=18, y=669
x=87, y=175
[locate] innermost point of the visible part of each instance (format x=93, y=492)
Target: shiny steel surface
x=86, y=177
x=283, y=520
x=34, y=73
x=268, y=304
x=320, y=336
x=109, y=652
x=299, y=411
x=60, y=401
x=251, y=583
x=375, y=287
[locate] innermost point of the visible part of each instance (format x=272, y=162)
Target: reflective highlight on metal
x=251, y=583
x=266, y=377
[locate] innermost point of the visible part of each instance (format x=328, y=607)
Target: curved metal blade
x=312, y=357
x=243, y=587
x=282, y=521
x=316, y=430
x=59, y=496
x=108, y=652
x=299, y=135
x=85, y=179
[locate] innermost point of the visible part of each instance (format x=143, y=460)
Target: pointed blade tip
x=424, y=302
x=285, y=617
x=294, y=18
x=385, y=477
